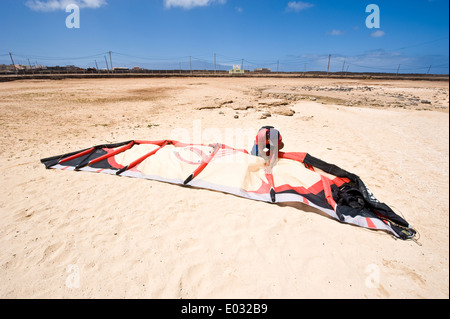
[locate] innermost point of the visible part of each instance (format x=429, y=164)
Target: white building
x=237, y=70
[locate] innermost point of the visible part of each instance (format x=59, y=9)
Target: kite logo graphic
x=373, y=20
x=195, y=155
x=73, y=19
x=191, y=155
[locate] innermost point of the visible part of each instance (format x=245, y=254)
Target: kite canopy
x=296, y=177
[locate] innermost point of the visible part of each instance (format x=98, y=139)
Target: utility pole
x=12, y=60
x=215, y=65
x=242, y=64
x=278, y=65
x=190, y=64
x=106, y=61
x=112, y=69
x=343, y=66
x=428, y=72
x=328, y=67
x=398, y=69
x=96, y=65
x=31, y=68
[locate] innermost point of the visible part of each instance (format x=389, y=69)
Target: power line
x=217, y=61
x=150, y=58
x=48, y=58
x=421, y=44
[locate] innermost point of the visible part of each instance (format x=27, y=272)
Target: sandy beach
x=81, y=235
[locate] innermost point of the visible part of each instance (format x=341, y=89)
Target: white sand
x=82, y=235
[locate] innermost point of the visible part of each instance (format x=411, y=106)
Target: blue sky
x=290, y=35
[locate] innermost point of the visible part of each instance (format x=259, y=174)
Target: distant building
x=67, y=69
x=237, y=70
x=19, y=67
x=11, y=67
x=70, y=68
x=262, y=70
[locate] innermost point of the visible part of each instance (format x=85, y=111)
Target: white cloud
x=335, y=32
x=298, y=6
x=189, y=4
x=378, y=34
x=54, y=5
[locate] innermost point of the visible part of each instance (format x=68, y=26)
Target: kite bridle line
x=409, y=231
x=415, y=236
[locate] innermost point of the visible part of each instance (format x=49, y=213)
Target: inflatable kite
x=295, y=177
